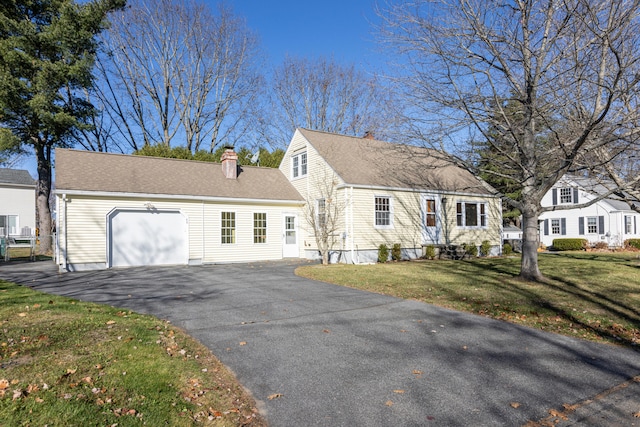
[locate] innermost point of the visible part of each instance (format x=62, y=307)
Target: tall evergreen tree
x=47, y=52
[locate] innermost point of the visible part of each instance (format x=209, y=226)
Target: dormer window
x=299, y=165
x=564, y=196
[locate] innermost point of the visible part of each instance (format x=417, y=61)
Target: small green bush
x=383, y=253
x=396, y=252
x=430, y=252
x=507, y=249
x=485, y=248
x=569, y=244
x=634, y=243
x=471, y=249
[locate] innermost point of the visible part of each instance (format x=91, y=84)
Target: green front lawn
x=70, y=363
x=595, y=296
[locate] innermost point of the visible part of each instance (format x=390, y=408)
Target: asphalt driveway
x=342, y=357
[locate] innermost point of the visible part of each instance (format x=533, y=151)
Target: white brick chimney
x=229, y=163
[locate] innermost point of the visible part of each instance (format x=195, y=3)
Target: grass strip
x=594, y=296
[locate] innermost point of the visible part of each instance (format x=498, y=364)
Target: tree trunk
x=529, y=265
x=43, y=192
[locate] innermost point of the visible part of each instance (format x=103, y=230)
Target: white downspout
x=63, y=253
x=350, y=225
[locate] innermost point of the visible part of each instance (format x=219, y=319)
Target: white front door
x=431, y=223
x=290, y=238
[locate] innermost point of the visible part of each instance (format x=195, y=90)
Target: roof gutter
x=177, y=197
x=414, y=190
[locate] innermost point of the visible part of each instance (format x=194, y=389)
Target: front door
x=290, y=238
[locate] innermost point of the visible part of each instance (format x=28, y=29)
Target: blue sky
x=304, y=28
x=341, y=29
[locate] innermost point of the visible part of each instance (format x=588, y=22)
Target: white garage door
x=155, y=237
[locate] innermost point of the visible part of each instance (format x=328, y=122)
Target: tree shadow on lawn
x=533, y=294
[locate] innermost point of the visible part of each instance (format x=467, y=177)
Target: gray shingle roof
x=368, y=162
x=119, y=173
x=618, y=200
x=16, y=177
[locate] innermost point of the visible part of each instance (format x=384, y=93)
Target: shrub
x=600, y=245
x=383, y=253
x=430, y=252
x=569, y=244
x=471, y=249
x=507, y=249
x=485, y=248
x=634, y=243
x=396, y=252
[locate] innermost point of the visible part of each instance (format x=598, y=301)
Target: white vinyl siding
x=87, y=242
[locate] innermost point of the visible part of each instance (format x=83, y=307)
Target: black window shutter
x=581, y=225
x=546, y=227
x=575, y=195
x=554, y=196
x=601, y=225
x=634, y=225
x=563, y=226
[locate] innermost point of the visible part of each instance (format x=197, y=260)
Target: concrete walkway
x=315, y=354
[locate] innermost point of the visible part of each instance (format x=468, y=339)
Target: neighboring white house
x=610, y=220
x=118, y=211
x=17, y=203
x=390, y=194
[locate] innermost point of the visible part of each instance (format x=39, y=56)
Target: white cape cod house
x=391, y=194
x=610, y=220
x=119, y=210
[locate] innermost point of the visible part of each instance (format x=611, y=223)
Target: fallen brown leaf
x=274, y=396
x=398, y=391
x=558, y=414
x=111, y=322
x=515, y=405
x=389, y=403
x=637, y=414
x=243, y=343
x=4, y=384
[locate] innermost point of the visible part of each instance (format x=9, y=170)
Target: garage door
x=153, y=237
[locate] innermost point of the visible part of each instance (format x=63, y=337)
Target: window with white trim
x=321, y=213
x=228, y=228
x=566, y=195
x=592, y=225
x=299, y=165
x=8, y=225
x=430, y=212
x=383, y=212
x=259, y=227
x=471, y=214
x=555, y=226
x=628, y=224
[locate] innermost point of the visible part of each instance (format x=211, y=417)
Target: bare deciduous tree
x=321, y=94
x=174, y=70
x=323, y=214
x=564, y=68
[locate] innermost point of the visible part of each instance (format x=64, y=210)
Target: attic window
x=566, y=195
x=299, y=165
